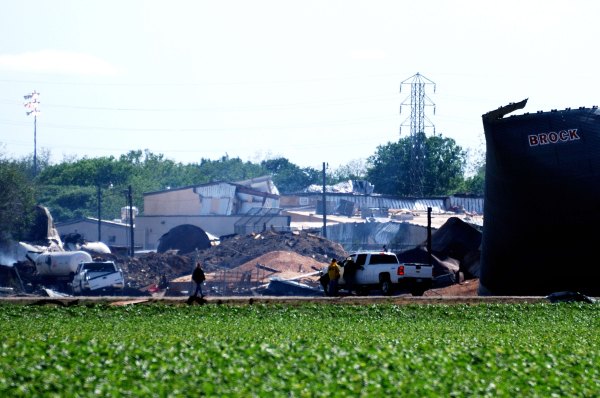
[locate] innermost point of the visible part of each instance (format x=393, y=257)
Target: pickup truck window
x=383, y=259
x=361, y=259
x=99, y=267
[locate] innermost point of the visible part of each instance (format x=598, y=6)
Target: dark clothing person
x=198, y=277
x=324, y=280
x=350, y=269
x=162, y=282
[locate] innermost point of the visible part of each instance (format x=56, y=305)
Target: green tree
x=228, y=169
x=475, y=183
x=387, y=169
x=72, y=189
x=475, y=180
x=150, y=172
x=101, y=171
x=17, y=200
x=445, y=161
x=288, y=177
x=355, y=169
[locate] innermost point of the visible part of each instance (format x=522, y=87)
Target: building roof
x=245, y=186
x=91, y=220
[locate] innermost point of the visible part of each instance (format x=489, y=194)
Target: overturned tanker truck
x=542, y=192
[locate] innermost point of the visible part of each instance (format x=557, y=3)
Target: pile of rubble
x=275, y=252
x=240, y=249
x=308, y=250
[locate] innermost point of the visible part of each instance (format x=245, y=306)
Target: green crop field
x=506, y=350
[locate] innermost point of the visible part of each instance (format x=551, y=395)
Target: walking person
x=334, y=275
x=198, y=277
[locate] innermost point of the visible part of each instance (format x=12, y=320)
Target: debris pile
x=281, y=264
x=301, y=250
x=240, y=249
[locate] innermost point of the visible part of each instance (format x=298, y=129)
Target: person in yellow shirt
x=334, y=275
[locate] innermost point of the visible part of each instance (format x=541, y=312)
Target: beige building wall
x=179, y=201
x=112, y=235
x=213, y=207
x=149, y=229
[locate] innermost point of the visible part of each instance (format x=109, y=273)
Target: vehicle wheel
x=386, y=285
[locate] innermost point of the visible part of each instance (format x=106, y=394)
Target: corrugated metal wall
x=470, y=204
x=397, y=237
x=216, y=199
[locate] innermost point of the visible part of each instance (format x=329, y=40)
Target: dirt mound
x=282, y=264
x=285, y=262
x=467, y=288
x=240, y=249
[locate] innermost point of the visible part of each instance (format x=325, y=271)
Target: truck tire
x=385, y=284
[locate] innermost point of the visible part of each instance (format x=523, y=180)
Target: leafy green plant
x=310, y=350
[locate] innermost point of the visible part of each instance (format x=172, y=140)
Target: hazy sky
x=311, y=81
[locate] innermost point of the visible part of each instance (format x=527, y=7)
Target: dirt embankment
x=466, y=288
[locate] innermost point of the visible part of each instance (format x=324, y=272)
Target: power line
x=333, y=102
x=210, y=129
x=204, y=84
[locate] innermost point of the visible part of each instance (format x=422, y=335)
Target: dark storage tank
x=542, y=202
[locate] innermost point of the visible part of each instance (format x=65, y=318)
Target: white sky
x=312, y=81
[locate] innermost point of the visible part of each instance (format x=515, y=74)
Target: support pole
x=35, y=145
x=33, y=107
x=99, y=214
x=430, y=255
x=130, y=200
x=324, y=204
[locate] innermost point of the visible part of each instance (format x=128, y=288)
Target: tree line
x=76, y=188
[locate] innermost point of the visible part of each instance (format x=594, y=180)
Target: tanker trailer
x=77, y=272
x=60, y=265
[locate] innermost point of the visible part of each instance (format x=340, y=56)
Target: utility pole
x=99, y=199
x=429, y=245
x=33, y=107
x=99, y=194
x=324, y=204
x=130, y=200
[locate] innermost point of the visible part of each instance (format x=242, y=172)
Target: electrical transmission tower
x=418, y=122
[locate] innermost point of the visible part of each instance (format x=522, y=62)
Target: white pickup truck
x=383, y=271
x=98, y=276
x=77, y=272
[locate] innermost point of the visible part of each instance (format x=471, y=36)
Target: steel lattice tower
x=418, y=123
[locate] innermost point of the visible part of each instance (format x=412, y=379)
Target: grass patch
x=533, y=350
